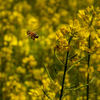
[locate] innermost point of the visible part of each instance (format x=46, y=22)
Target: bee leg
x=33, y=39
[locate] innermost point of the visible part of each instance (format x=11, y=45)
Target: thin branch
x=47, y=95
x=50, y=76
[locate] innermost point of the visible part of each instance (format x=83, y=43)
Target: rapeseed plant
x=79, y=36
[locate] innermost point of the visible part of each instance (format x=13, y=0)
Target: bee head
x=28, y=33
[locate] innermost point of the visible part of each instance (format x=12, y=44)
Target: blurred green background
x=21, y=58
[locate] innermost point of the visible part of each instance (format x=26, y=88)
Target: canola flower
x=81, y=33
x=83, y=36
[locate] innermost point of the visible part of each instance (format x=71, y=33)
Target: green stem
x=64, y=75
x=88, y=68
x=80, y=86
x=50, y=76
x=65, y=69
x=89, y=59
x=47, y=95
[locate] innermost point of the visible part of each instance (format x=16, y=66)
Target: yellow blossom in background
x=2, y=75
x=98, y=52
x=34, y=63
x=98, y=68
x=19, y=7
x=48, y=41
x=20, y=43
x=90, y=2
x=63, y=12
x=5, y=49
x=32, y=22
x=11, y=77
x=91, y=70
x=21, y=70
x=7, y=38
x=15, y=13
x=46, y=84
x=13, y=41
x=31, y=57
x=25, y=60
x=28, y=83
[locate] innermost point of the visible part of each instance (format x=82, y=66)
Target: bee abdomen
x=35, y=35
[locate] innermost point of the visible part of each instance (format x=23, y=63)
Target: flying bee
x=32, y=34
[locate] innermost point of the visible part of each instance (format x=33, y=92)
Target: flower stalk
x=65, y=69
x=88, y=68
x=64, y=75
x=89, y=46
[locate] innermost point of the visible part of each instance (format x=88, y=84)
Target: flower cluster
x=80, y=33
x=92, y=20
x=66, y=34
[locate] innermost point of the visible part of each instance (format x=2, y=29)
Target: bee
x=32, y=34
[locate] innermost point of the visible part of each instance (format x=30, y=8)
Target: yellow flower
x=91, y=69
x=30, y=93
x=81, y=13
x=33, y=63
x=31, y=57
x=32, y=22
x=33, y=92
x=63, y=30
x=20, y=42
x=97, y=25
x=15, y=13
x=13, y=41
x=98, y=68
x=63, y=42
x=11, y=77
x=7, y=38
x=8, y=83
x=25, y=60
x=59, y=34
x=98, y=52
